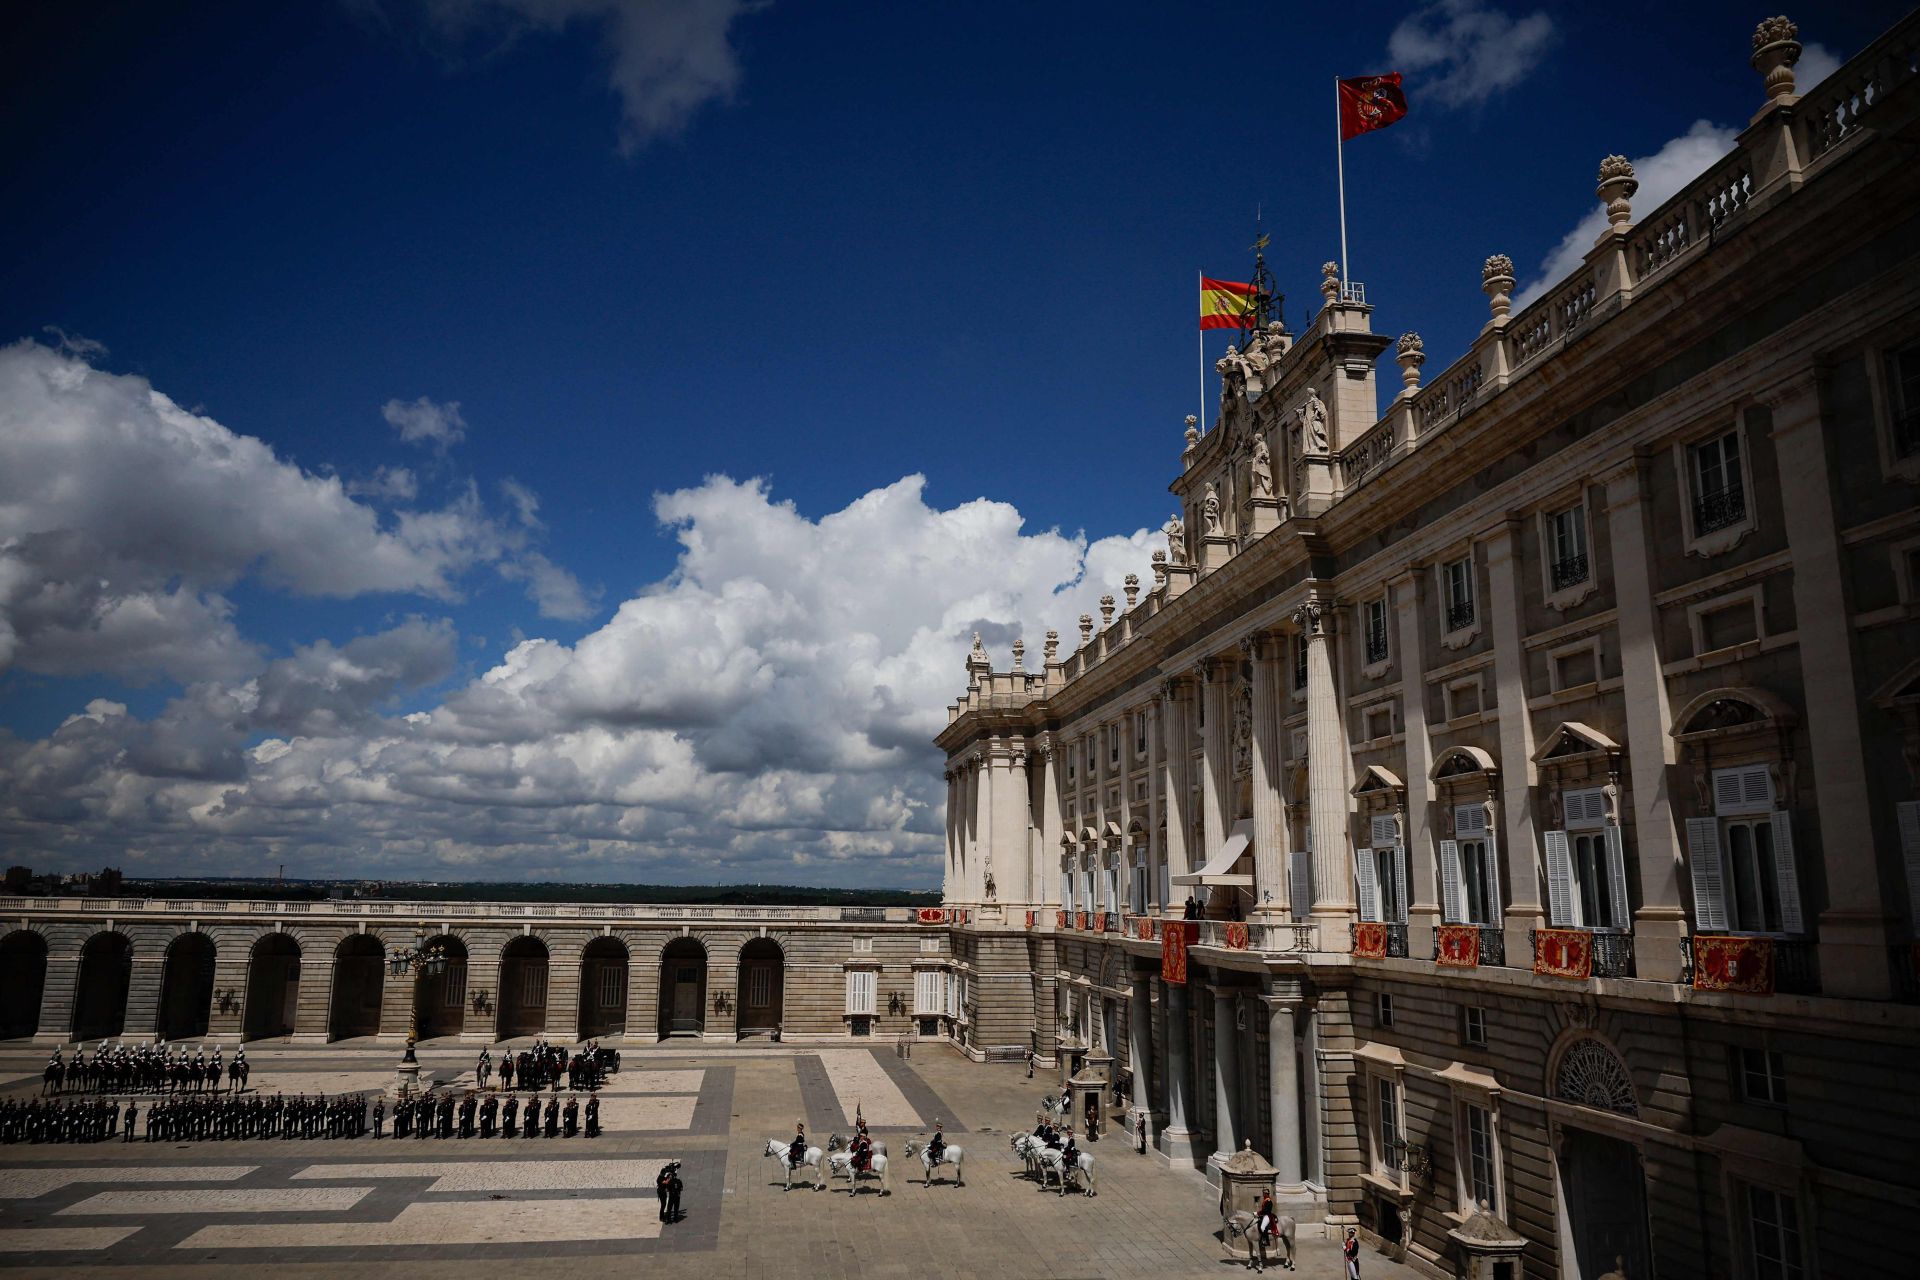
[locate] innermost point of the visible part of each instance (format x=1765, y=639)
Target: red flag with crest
x=1370, y=102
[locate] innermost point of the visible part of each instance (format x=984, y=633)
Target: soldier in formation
x=147, y=1068
x=59, y=1120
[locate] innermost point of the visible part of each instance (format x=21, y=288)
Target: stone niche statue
x=1210, y=511
x=1176, y=531
x=1262, y=467
x=1312, y=420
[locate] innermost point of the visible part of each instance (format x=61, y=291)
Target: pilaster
x=1269, y=828
x=1217, y=678
x=1177, y=696
x=1522, y=841
x=1423, y=908
x=1327, y=764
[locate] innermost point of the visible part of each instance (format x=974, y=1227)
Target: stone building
x=1540, y=750
x=95, y=968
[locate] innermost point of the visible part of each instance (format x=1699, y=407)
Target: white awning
x=1219, y=870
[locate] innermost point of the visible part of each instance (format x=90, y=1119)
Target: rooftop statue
x=1210, y=510
x=1262, y=467
x=1176, y=531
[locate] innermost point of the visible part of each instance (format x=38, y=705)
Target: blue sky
x=506, y=286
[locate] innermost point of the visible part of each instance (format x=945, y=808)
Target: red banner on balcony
x=1079, y=919
x=1370, y=940
x=1030, y=919
x=1099, y=922
x=932, y=915
x=1457, y=946
x=1563, y=953
x=1144, y=928
x=1237, y=936
x=1733, y=964
x=1060, y=919
x=1174, y=937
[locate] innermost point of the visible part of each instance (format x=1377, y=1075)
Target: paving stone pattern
x=442, y=1208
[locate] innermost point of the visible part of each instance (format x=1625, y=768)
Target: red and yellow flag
x=1224, y=304
x=1370, y=102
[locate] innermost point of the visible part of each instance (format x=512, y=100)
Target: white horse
x=834, y=1144
x=814, y=1159
x=1027, y=1147
x=1240, y=1235
x=840, y=1165
x=950, y=1154
x=1051, y=1162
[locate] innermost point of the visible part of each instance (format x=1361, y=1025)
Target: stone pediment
x=1375, y=780
x=1573, y=738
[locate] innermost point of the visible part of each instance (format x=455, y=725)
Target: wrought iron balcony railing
x=1612, y=954
x=1719, y=509
x=1796, y=966
x=1493, y=944
x=1460, y=615
x=1396, y=939
x=1570, y=572
x=1376, y=647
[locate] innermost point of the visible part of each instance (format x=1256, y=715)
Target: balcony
x=1796, y=966
x=1376, y=647
x=1460, y=615
x=1612, y=955
x=1720, y=508
x=1570, y=572
x=1493, y=944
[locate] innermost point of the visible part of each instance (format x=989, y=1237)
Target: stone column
x=985, y=866
x=1853, y=928
x=1283, y=1084
x=1140, y=1040
x=1226, y=1074
x=143, y=990
x=59, y=992
x=1327, y=764
x=948, y=886
x=1269, y=827
x=1178, y=696
x=1010, y=842
x=1178, y=1137
x=314, y=1000
x=1047, y=892
x=1659, y=923
x=1217, y=676
x=1521, y=840
x=1423, y=911
x=1156, y=805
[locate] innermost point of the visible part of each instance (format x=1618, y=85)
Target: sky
x=577, y=439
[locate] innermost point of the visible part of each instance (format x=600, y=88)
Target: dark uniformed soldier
x=937, y=1147
x=469, y=1105
x=797, y=1149
x=573, y=1117
x=673, y=1192
x=508, y=1116
x=533, y=1116
x=131, y=1115
x=553, y=1116
x=593, y=1117
x=380, y=1115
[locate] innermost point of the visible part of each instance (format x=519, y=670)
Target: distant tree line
x=109, y=882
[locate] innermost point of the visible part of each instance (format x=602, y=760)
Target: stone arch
x=1730, y=708
x=359, y=983
x=100, y=994
x=1586, y=1069
x=523, y=988
x=683, y=987
x=273, y=986
x=760, y=1001
x=186, y=987
x=605, y=965
x=440, y=998
x=23, y=958
x=1462, y=762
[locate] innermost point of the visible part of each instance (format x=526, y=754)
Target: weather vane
x=1265, y=302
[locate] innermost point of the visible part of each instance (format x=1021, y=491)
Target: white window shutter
x=1786, y=871
x=1709, y=880
x=1584, y=808
x=1560, y=880
x=1746, y=789
x=1756, y=787
x=1726, y=791
x=1300, y=883
x=1386, y=832
x=1617, y=877
x=1166, y=884
x=1450, y=905
x=1369, y=892
x=1909, y=812
x=1405, y=896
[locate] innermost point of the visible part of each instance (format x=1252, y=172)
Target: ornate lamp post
x=422, y=959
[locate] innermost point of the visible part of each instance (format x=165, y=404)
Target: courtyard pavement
x=539, y=1206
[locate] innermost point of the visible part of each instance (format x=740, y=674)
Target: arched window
x=1592, y=1075
x=1738, y=745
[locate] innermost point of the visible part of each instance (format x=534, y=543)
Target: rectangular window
x=926, y=992
x=1473, y=1025
x=863, y=944
x=1574, y=668
x=1719, y=483
x=1469, y=869
x=1589, y=850
x=1140, y=884
x=1483, y=1186
x=1735, y=624
x=1567, y=547
x=1383, y=1010
x=1140, y=733
x=1463, y=698
x=533, y=986
x=1774, y=1221
x=861, y=985
x=1761, y=1075
x=456, y=984
x=1386, y=1111
x=1457, y=579
x=1903, y=387
x=1376, y=628
x=930, y=946
x=1113, y=743
x=1299, y=662
x=1753, y=897
x=1380, y=722
x=613, y=984
x=760, y=987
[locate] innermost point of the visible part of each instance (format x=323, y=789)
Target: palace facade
x=1540, y=756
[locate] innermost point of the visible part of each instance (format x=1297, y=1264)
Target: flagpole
x=1340, y=162
x=1201, y=276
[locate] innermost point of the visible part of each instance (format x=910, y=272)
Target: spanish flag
x=1224, y=304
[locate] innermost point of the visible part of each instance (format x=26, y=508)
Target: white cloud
x=124, y=518
x=424, y=422
x=1461, y=52
x=387, y=484
x=666, y=58
x=1817, y=62
x=763, y=712
x=1679, y=161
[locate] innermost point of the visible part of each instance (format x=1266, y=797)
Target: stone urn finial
x=1193, y=432
x=1411, y=353
x=1776, y=47
x=1086, y=629
x=1050, y=651
x=1159, y=566
x=1330, y=281
x=1132, y=587
x=1617, y=185
x=1019, y=653
x=1496, y=280
x=1106, y=611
